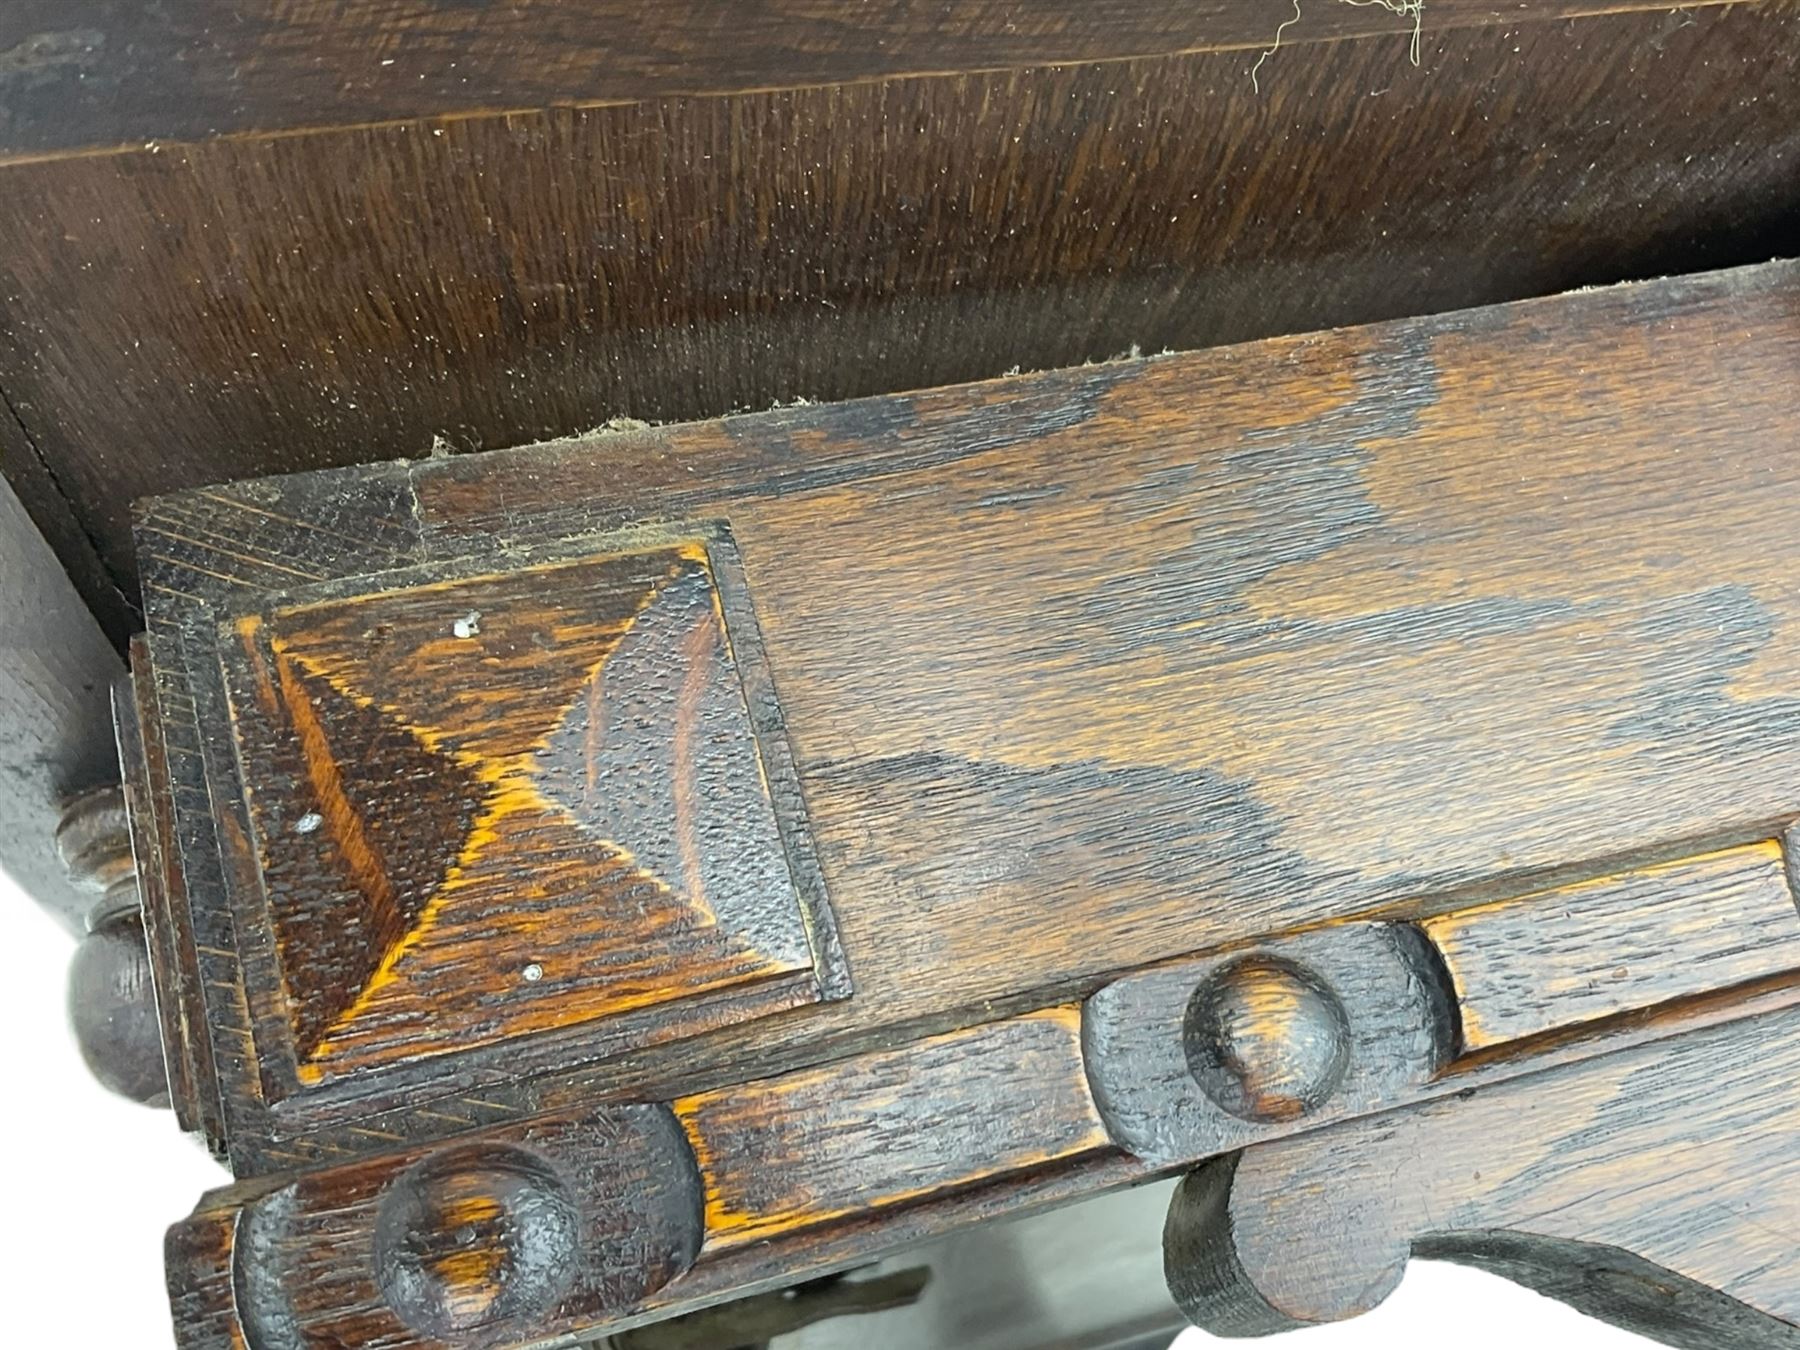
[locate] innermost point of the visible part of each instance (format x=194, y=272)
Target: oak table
x=767, y=661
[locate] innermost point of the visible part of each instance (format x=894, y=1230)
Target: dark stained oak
x=672, y=864
x=1204, y=753
x=1387, y=620
x=1658, y=1188
x=544, y=788
x=798, y=1172
x=1618, y=943
x=1345, y=1020
x=491, y=1239
x=51, y=517
x=162, y=884
x=1198, y=1057
x=1266, y=1040
x=742, y=1194
x=192, y=314
x=830, y=1144
x=78, y=74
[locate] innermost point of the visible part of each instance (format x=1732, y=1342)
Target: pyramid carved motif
x=518, y=803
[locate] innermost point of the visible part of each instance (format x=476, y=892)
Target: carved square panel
x=549, y=800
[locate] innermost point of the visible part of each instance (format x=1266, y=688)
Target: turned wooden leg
x=56, y=673
x=64, y=835
x=112, y=1002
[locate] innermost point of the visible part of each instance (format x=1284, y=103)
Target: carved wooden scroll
x=592, y=882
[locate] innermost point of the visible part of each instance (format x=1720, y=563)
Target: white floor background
x=94, y=1181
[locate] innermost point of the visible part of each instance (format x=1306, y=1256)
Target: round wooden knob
x=113, y=1010
x=484, y=1237
x=1266, y=1040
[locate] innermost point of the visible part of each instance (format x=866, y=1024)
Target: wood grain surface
x=543, y=789
x=896, y=1127
x=1658, y=1188
x=181, y=1005
x=791, y=1176
x=491, y=1241
x=1350, y=1020
x=1618, y=943
x=1405, y=630
x=94, y=74
x=745, y=1194
x=192, y=314
x=1374, y=1024
x=1381, y=622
